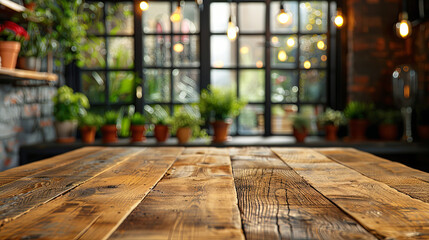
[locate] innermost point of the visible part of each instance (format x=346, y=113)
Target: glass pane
x=95, y=17
x=226, y=79
x=252, y=51
x=252, y=87
x=94, y=54
x=93, y=86
x=121, y=87
x=157, y=51
x=223, y=52
x=120, y=18
x=284, y=86
x=311, y=112
x=251, y=17
x=314, y=16
x=157, y=85
x=313, y=51
x=157, y=18
x=312, y=86
x=121, y=52
x=186, y=85
x=219, y=15
x=186, y=51
x=284, y=50
x=252, y=120
x=281, y=118
x=291, y=24
x=190, y=22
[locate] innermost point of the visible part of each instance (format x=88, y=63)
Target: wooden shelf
x=19, y=74
x=12, y=6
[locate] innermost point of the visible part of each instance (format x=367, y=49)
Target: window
x=280, y=69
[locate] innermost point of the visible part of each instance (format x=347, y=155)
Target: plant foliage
x=301, y=122
x=157, y=115
x=218, y=104
x=332, y=117
x=188, y=117
x=358, y=110
x=138, y=119
x=111, y=118
x=69, y=105
x=92, y=120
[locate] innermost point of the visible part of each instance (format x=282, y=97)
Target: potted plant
x=219, y=106
x=331, y=120
x=186, y=125
x=68, y=108
x=300, y=124
x=160, y=118
x=11, y=37
x=388, y=124
x=357, y=114
x=33, y=50
x=109, y=131
x=137, y=127
x=89, y=124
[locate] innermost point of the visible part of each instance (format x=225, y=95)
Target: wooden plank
x=32, y=168
x=195, y=200
x=276, y=203
x=24, y=194
x=407, y=180
x=206, y=150
x=13, y=6
x=93, y=210
x=382, y=210
x=26, y=74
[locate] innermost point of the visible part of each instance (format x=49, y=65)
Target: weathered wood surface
x=276, y=203
x=382, y=210
x=195, y=200
x=407, y=180
x=93, y=210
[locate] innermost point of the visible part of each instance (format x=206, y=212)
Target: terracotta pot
x=388, y=132
x=161, y=133
x=137, y=133
x=183, y=134
x=30, y=6
x=423, y=132
x=300, y=135
x=88, y=134
x=29, y=63
x=9, y=53
x=331, y=132
x=357, y=129
x=220, y=129
x=109, y=133
x=66, y=131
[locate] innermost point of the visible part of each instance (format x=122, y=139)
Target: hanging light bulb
x=177, y=14
x=232, y=29
x=339, y=19
x=282, y=56
x=144, y=5
x=283, y=17
x=403, y=27
x=178, y=47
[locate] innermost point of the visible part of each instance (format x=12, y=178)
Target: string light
x=307, y=64
x=178, y=47
x=403, y=27
x=283, y=17
x=282, y=56
x=339, y=19
x=290, y=42
x=232, y=30
x=144, y=5
x=177, y=14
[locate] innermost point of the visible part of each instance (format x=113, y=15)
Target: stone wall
x=26, y=117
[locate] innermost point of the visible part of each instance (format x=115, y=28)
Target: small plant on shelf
x=186, y=124
x=301, y=125
x=387, y=121
x=109, y=130
x=11, y=37
x=89, y=124
x=357, y=113
x=159, y=116
x=138, y=127
x=331, y=120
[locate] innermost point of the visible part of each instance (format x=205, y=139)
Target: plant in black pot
x=219, y=106
x=357, y=114
x=68, y=108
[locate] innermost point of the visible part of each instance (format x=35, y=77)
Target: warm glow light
x=407, y=91
x=307, y=64
x=320, y=45
x=274, y=40
x=339, y=20
x=283, y=17
x=218, y=64
x=178, y=47
x=282, y=56
x=309, y=27
x=244, y=50
x=259, y=64
x=404, y=29
x=177, y=15
x=290, y=42
x=144, y=5
x=232, y=31
x=323, y=58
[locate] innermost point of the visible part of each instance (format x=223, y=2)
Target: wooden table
x=214, y=193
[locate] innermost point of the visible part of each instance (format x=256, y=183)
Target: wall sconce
x=339, y=19
x=144, y=5
x=176, y=16
x=232, y=30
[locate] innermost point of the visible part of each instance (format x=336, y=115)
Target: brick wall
x=374, y=50
x=25, y=118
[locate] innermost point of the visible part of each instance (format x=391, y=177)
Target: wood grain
x=206, y=150
x=382, y=210
x=276, y=203
x=20, y=196
x=94, y=210
x=31, y=168
x=25, y=74
x=195, y=200
x=407, y=180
